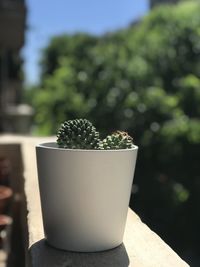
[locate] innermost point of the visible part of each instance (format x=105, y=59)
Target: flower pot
x=5, y=198
x=84, y=196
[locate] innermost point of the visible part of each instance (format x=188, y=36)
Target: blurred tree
x=146, y=80
x=75, y=47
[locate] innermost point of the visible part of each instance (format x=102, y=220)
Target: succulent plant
x=81, y=134
x=78, y=134
x=117, y=140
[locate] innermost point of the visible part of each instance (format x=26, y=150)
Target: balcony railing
x=141, y=247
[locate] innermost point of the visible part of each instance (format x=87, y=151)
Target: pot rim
x=54, y=146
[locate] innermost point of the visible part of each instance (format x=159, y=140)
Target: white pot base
x=84, y=249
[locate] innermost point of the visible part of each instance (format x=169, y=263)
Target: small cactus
x=117, y=140
x=78, y=134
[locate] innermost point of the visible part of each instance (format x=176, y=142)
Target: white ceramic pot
x=84, y=196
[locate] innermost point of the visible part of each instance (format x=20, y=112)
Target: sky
x=48, y=18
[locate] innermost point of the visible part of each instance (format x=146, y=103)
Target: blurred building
x=12, y=34
x=154, y=3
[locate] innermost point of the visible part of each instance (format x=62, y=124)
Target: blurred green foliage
x=145, y=80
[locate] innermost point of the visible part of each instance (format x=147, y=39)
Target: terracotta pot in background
x=4, y=221
x=5, y=198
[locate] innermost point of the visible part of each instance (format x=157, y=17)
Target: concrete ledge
x=141, y=247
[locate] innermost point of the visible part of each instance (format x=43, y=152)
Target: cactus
x=117, y=140
x=78, y=134
x=81, y=134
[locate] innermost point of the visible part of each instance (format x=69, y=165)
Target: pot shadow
x=43, y=255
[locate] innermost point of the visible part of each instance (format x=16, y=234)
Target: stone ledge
x=141, y=246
